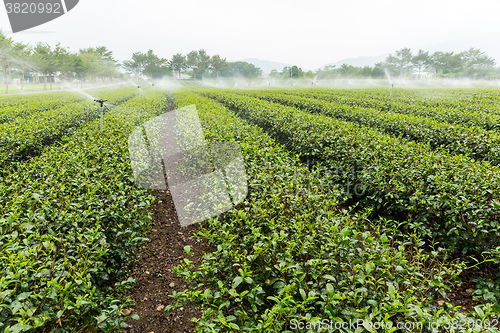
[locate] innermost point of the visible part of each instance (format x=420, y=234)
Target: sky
x=307, y=33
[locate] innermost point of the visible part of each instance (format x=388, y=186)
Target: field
x=361, y=208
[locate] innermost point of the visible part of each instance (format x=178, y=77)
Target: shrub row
x=473, y=141
x=450, y=198
x=468, y=117
x=49, y=102
x=70, y=220
x=458, y=99
x=287, y=254
x=27, y=136
x=19, y=99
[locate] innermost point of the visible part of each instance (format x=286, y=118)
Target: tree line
x=472, y=63
x=41, y=63
x=195, y=65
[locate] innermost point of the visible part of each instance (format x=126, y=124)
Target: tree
x=107, y=64
x=292, y=72
x=148, y=64
x=22, y=57
x=45, y=61
x=68, y=64
x=178, y=63
x=193, y=59
x=297, y=72
x=474, y=58
x=287, y=71
x=378, y=70
x=421, y=61
x=90, y=63
x=136, y=65
x=274, y=73
x=447, y=62
x=6, y=61
x=401, y=60
x=216, y=62
x=105, y=54
x=204, y=62
x=72, y=66
x=240, y=68
x=346, y=70
x=154, y=64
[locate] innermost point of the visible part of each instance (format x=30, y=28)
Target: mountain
x=359, y=61
x=266, y=65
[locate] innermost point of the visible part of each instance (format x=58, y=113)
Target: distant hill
x=266, y=65
x=358, y=62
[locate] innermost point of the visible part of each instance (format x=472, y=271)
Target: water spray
x=101, y=102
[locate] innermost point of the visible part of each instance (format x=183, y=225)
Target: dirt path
x=153, y=272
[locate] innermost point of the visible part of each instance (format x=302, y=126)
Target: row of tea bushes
x=27, y=136
x=459, y=99
x=287, y=254
x=447, y=197
x=479, y=117
x=472, y=141
x=70, y=220
x=34, y=105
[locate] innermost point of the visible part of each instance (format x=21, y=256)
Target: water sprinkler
x=139, y=90
x=392, y=86
x=101, y=102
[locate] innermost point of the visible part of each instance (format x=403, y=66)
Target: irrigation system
x=101, y=102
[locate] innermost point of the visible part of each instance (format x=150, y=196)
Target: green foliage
x=240, y=69
x=444, y=197
x=70, y=221
x=148, y=64
x=472, y=141
x=288, y=254
x=26, y=106
x=292, y=72
x=216, y=62
x=178, y=63
x=26, y=136
x=477, y=109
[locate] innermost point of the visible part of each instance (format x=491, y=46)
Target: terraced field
x=382, y=212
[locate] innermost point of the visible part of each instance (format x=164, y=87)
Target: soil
x=463, y=295
x=155, y=280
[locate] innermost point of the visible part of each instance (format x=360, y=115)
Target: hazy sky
x=308, y=33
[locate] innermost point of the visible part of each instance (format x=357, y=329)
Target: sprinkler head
x=100, y=101
x=138, y=87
